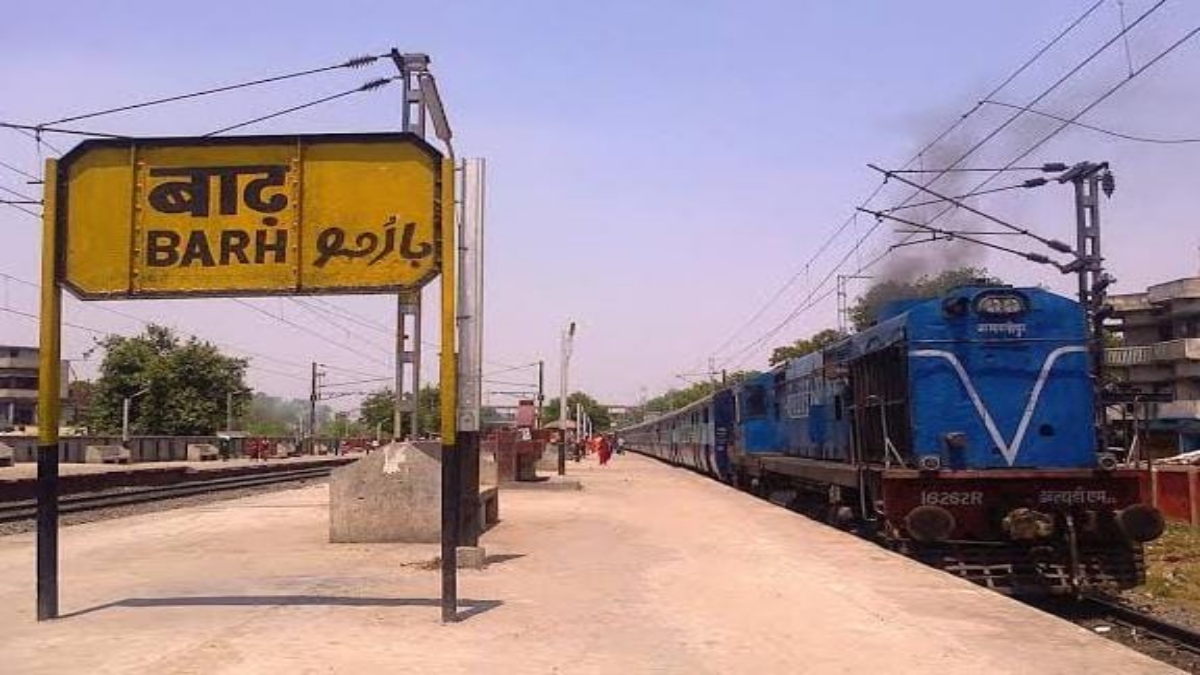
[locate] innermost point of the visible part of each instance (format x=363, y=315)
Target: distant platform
x=28, y=470
x=649, y=569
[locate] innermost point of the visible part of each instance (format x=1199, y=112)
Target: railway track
x=79, y=503
x=1145, y=624
x=1151, y=635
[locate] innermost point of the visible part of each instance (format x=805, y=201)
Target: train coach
x=959, y=430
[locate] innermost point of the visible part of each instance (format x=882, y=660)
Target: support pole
x=398, y=384
x=564, y=369
x=451, y=475
x=125, y=403
x=50, y=352
x=541, y=395
x=312, y=411
x=1088, y=178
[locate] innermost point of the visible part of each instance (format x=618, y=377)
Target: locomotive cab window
x=756, y=401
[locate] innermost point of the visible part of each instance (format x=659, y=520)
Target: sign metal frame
x=301, y=142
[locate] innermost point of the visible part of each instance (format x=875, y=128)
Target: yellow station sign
x=256, y=215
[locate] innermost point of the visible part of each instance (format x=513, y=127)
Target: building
x=19, y=386
x=1160, y=354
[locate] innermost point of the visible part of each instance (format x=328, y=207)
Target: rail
x=27, y=509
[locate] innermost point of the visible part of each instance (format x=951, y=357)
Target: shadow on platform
x=502, y=557
x=467, y=608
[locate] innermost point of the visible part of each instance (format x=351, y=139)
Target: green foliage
x=185, y=383
x=677, y=398
x=377, y=411
x=865, y=311
x=601, y=419
x=806, y=346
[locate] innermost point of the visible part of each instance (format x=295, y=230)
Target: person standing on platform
x=603, y=449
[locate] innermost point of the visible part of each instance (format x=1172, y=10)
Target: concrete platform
x=648, y=570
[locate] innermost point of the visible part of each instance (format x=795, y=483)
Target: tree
x=185, y=384
x=601, y=419
x=806, y=346
x=377, y=411
x=674, y=399
x=865, y=311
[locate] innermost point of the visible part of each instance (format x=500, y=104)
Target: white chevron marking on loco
x=1009, y=450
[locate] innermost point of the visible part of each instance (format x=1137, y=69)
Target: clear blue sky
x=658, y=169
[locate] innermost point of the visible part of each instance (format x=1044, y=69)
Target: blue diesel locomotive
x=959, y=430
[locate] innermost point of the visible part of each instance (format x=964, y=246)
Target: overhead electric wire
x=369, y=86
x=309, y=331
x=1097, y=101
x=1086, y=109
x=107, y=334
x=321, y=314
x=25, y=199
x=57, y=130
x=18, y=195
x=22, y=209
x=946, y=132
x=805, y=303
x=37, y=139
x=1091, y=127
x=356, y=62
x=20, y=171
x=145, y=322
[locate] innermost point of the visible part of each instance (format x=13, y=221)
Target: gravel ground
x=1116, y=631
x=1150, y=646
x=163, y=505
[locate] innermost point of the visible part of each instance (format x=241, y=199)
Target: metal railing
x=1173, y=350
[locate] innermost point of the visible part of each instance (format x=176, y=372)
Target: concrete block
x=471, y=557
x=8, y=456
x=202, y=452
x=489, y=470
x=489, y=507
x=391, y=495
x=107, y=454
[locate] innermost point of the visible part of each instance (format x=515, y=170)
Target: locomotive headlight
x=930, y=523
x=1001, y=304
x=1141, y=522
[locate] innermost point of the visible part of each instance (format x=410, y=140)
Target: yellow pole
x=449, y=358
x=49, y=372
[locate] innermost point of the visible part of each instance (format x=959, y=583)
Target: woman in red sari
x=604, y=449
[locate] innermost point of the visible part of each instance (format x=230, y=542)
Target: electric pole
x=541, y=395
x=312, y=408
x=568, y=338
x=1090, y=179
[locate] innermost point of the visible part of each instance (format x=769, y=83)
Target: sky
x=658, y=171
